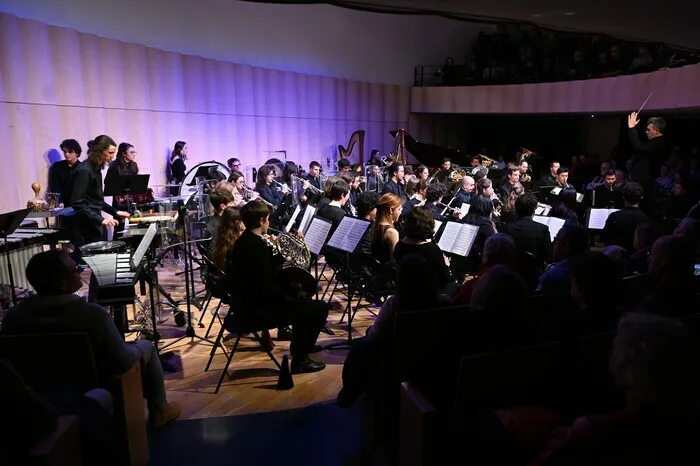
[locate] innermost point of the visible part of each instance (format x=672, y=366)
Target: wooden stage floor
x=251, y=387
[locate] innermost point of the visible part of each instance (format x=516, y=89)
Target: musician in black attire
x=433, y=195
x=62, y=171
x=268, y=190
x=620, y=226
x=529, y=235
x=335, y=210
x=177, y=165
x=262, y=301
x=124, y=165
x=87, y=197
x=649, y=155
x=314, y=175
x=395, y=185
x=607, y=195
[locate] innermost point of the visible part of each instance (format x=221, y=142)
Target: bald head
x=468, y=184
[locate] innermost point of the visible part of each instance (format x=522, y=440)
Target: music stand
x=202, y=172
x=9, y=222
x=345, y=239
x=126, y=185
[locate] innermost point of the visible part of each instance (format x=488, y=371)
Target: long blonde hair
x=230, y=229
x=386, y=203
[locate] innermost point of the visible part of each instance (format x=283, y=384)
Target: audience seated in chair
x=417, y=289
x=571, y=241
x=652, y=363
x=671, y=269
x=56, y=309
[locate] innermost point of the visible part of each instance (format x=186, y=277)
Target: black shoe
x=306, y=365
x=284, y=334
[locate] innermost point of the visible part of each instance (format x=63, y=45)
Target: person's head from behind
x=256, y=217
x=231, y=222
x=419, y=224
x=416, y=284
x=644, y=236
x=571, y=241
x=653, y=362
x=434, y=192
x=632, y=193
x=497, y=290
x=595, y=280
x=367, y=205
x=499, y=249
x=671, y=258
x=53, y=273
x=71, y=150
x=222, y=197
x=481, y=206
x=689, y=228
x=389, y=209
x=339, y=190
x=525, y=205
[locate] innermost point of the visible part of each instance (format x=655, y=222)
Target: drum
x=103, y=247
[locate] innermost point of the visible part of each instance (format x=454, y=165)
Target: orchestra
x=399, y=199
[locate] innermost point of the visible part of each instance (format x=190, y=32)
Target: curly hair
x=419, y=224
x=230, y=229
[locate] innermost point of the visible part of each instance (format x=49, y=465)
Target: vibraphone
x=24, y=243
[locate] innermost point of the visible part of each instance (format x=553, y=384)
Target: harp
x=358, y=137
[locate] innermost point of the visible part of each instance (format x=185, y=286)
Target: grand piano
x=431, y=155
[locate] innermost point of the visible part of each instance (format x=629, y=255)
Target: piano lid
x=431, y=155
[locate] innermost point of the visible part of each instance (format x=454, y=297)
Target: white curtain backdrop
x=56, y=83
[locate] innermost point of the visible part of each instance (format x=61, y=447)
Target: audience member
x=620, y=226
x=571, y=241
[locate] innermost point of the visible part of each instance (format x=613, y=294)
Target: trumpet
x=282, y=186
x=310, y=186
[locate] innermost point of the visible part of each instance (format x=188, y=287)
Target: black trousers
x=307, y=318
x=85, y=230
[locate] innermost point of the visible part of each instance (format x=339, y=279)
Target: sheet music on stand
x=309, y=214
x=542, y=209
x=553, y=223
x=458, y=238
x=438, y=224
x=144, y=245
x=290, y=224
x=598, y=217
x=348, y=234
x=316, y=234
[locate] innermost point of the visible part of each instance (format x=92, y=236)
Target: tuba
x=486, y=162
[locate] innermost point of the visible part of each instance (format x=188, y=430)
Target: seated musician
x=480, y=215
x=564, y=206
x=355, y=191
x=61, y=179
x=56, y=309
x=395, y=185
x=433, y=196
x=445, y=169
x=334, y=211
x=418, y=230
x=367, y=210
x=466, y=191
x=350, y=177
x=512, y=177
x=607, y=195
x=550, y=178
x=563, y=178
x=263, y=302
x=314, y=175
x=234, y=165
x=241, y=195
x=87, y=196
x=268, y=190
x=508, y=210
x=220, y=198
x=375, y=158
x=620, y=226
x=230, y=229
x=422, y=173
x=415, y=190
x=529, y=235
x=384, y=232
x=344, y=165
